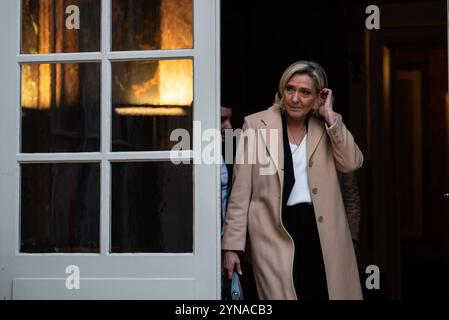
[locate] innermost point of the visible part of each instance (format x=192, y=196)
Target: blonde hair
x=314, y=70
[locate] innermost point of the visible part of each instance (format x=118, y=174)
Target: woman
x=299, y=237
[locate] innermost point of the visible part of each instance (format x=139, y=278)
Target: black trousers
x=309, y=275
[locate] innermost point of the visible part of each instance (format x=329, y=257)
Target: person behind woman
x=299, y=237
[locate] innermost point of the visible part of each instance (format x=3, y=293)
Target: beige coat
x=255, y=206
x=351, y=200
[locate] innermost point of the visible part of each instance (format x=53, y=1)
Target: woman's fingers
x=327, y=93
x=239, y=268
x=231, y=261
x=229, y=274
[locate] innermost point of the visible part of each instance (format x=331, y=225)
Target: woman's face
x=300, y=96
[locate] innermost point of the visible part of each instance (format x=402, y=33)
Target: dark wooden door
x=420, y=127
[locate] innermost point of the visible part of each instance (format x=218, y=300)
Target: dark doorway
x=410, y=72
x=391, y=88
x=420, y=128
x=260, y=39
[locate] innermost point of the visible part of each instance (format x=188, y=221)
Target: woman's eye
x=305, y=92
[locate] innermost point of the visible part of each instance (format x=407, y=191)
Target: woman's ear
x=321, y=98
x=319, y=102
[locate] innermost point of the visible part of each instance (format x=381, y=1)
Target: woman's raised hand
x=326, y=108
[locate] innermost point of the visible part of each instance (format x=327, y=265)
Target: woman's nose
x=295, y=97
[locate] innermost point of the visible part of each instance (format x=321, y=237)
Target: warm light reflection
x=176, y=77
x=30, y=91
x=43, y=28
x=176, y=82
x=59, y=78
x=170, y=85
x=36, y=86
x=176, y=24
x=43, y=77
x=45, y=25
x=71, y=83
x=143, y=111
x=46, y=85
x=144, y=93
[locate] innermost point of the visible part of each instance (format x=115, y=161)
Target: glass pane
x=60, y=207
x=152, y=207
x=55, y=26
x=151, y=24
x=60, y=107
x=149, y=100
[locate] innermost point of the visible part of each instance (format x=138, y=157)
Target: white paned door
x=93, y=203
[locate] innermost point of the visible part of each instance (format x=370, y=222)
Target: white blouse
x=300, y=192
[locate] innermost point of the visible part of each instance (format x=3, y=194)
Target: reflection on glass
x=60, y=107
x=151, y=24
x=60, y=208
x=152, y=207
x=149, y=100
x=47, y=28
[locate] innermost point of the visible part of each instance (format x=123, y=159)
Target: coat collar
x=271, y=119
x=315, y=130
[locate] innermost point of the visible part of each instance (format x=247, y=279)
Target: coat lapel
x=272, y=121
x=315, y=130
x=289, y=173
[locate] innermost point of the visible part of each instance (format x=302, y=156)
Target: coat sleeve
x=351, y=200
x=347, y=154
x=235, y=228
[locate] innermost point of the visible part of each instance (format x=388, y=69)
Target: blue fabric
x=231, y=289
x=236, y=287
x=224, y=178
